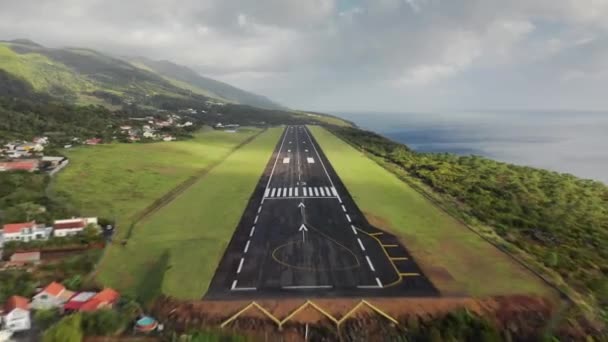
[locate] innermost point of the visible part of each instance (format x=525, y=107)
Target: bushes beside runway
x=455, y=259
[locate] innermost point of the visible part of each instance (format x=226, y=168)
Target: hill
x=85, y=76
x=187, y=78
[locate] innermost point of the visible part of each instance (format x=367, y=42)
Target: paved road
x=302, y=235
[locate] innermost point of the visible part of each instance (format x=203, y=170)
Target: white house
x=54, y=295
x=25, y=231
x=72, y=226
x=16, y=314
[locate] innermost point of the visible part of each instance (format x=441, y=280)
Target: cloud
x=325, y=53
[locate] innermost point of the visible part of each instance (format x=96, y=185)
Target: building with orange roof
x=25, y=231
x=87, y=301
x=16, y=314
x=54, y=295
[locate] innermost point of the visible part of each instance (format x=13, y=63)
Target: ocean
x=573, y=142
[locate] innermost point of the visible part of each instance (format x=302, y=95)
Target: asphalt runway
x=302, y=235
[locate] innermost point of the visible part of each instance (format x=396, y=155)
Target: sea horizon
x=565, y=141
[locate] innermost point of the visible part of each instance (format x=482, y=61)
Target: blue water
x=573, y=142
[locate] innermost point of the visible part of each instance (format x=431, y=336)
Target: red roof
x=14, y=302
x=106, y=297
x=20, y=165
x=13, y=228
x=70, y=225
x=54, y=289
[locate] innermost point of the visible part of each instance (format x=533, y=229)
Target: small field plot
x=456, y=260
x=176, y=250
x=116, y=181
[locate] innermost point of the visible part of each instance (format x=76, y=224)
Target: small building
x=93, y=141
x=72, y=226
x=25, y=231
x=16, y=314
x=168, y=138
x=77, y=301
x=19, y=259
x=54, y=295
x=19, y=165
x=41, y=140
x=91, y=301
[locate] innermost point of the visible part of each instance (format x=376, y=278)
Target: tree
x=44, y=318
x=102, y=322
x=67, y=330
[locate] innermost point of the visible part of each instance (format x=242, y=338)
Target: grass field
x=176, y=250
x=117, y=181
x=457, y=260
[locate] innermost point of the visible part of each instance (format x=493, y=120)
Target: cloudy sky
x=390, y=55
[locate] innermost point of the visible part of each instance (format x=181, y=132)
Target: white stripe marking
x=256, y=219
x=233, y=284
x=244, y=289
x=334, y=191
x=297, y=287
x=284, y=192
x=305, y=192
x=252, y=231
x=348, y=218
x=353, y=228
x=361, y=244
x=272, y=192
x=285, y=160
x=343, y=208
x=240, y=266
x=316, y=192
x=370, y=264
x=290, y=191
x=310, y=193
x=327, y=191
x=310, y=160
x=379, y=282
x=296, y=191
x=322, y=192
x=246, y=247
x=266, y=192
x=259, y=209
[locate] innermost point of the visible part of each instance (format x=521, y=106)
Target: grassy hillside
x=455, y=259
x=187, y=78
x=176, y=250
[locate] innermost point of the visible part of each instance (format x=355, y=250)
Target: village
x=20, y=155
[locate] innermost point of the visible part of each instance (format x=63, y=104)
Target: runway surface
x=302, y=235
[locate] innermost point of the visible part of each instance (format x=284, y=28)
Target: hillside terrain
x=85, y=76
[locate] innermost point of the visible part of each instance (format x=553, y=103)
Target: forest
x=559, y=219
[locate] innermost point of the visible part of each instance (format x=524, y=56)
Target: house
x=168, y=138
x=93, y=141
x=16, y=314
x=91, y=301
x=72, y=226
x=41, y=140
x=149, y=134
x=25, y=231
x=23, y=258
x=54, y=295
x=19, y=165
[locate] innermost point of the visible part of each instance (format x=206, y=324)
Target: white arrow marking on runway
x=303, y=229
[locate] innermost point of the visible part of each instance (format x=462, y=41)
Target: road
x=302, y=235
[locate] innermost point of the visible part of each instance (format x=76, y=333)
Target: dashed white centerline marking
x=240, y=266
x=361, y=244
x=379, y=282
x=246, y=247
x=343, y=208
x=252, y=231
x=259, y=209
x=370, y=264
x=353, y=228
x=256, y=219
x=348, y=218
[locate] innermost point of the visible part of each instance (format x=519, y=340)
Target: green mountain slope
x=187, y=78
x=85, y=76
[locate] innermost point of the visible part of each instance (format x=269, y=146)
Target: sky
x=339, y=55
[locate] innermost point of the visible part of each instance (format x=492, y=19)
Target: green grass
x=41, y=72
x=117, y=181
x=457, y=260
x=176, y=250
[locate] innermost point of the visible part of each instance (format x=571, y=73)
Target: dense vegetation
x=23, y=198
x=559, y=219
